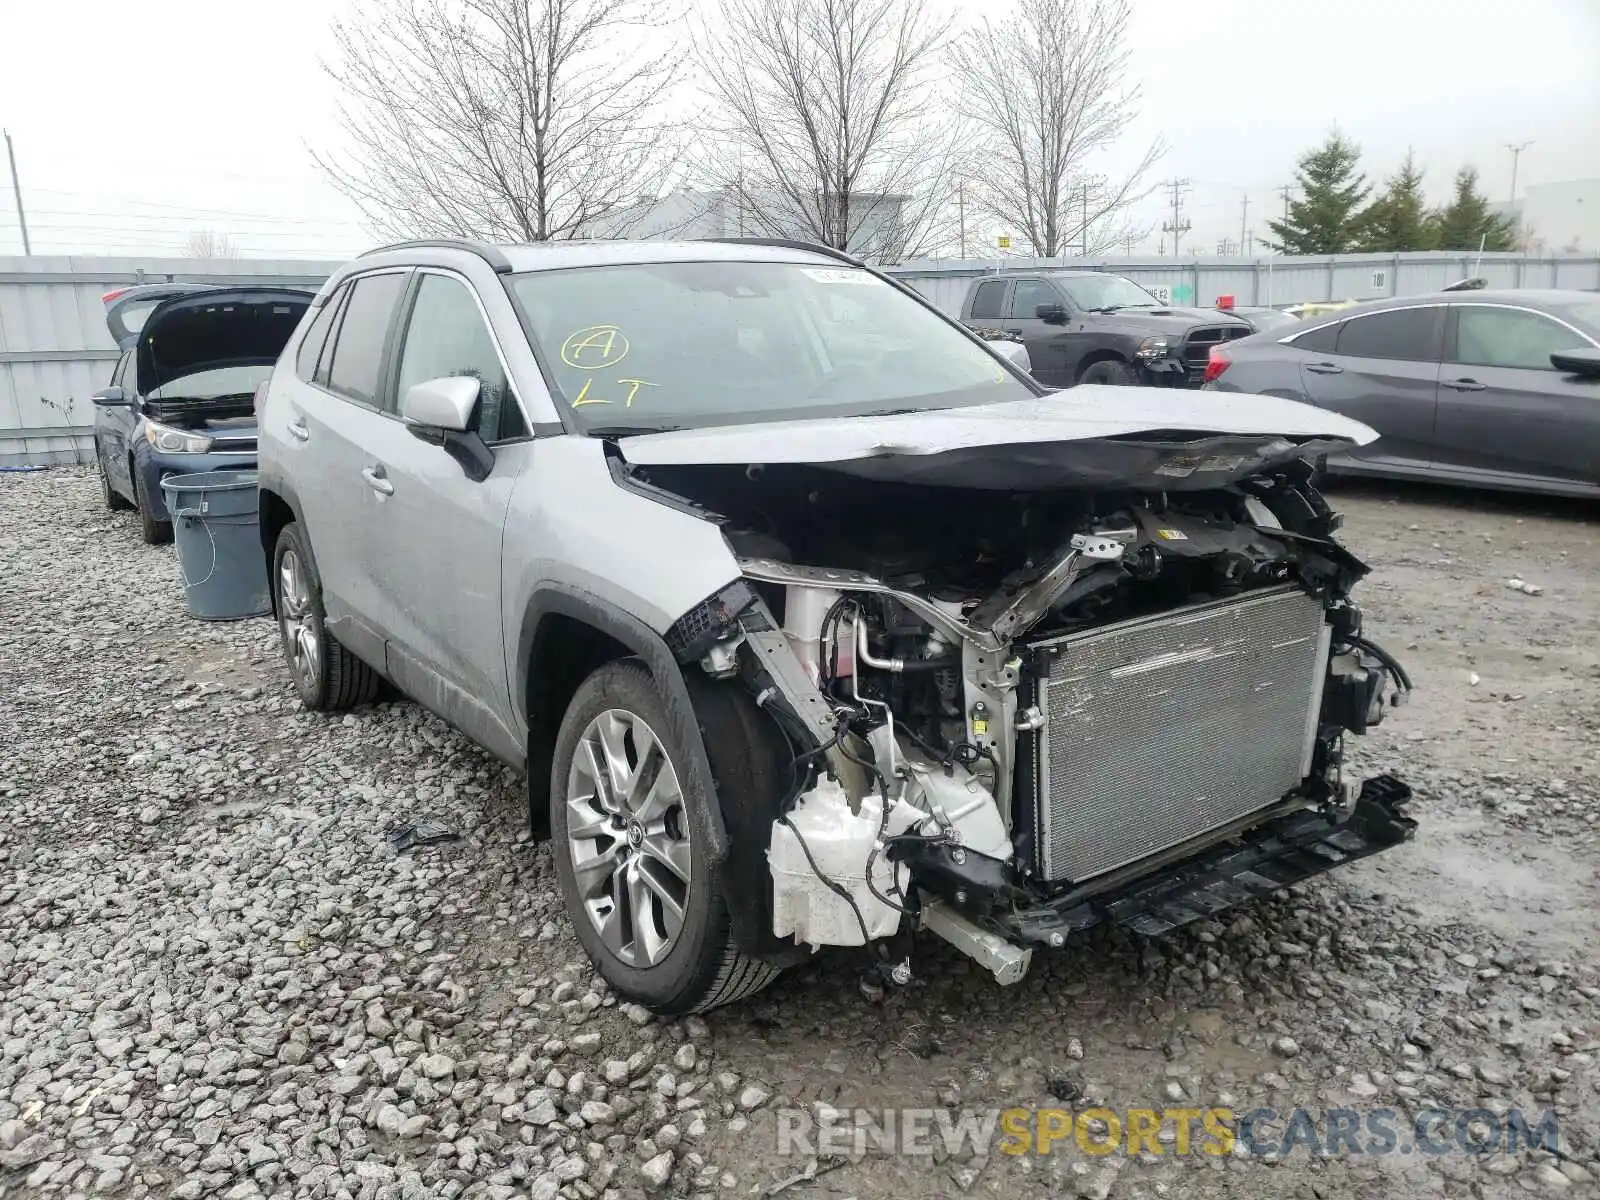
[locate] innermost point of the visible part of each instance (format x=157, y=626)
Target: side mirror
x=1578, y=362
x=111, y=397
x=1013, y=352
x=444, y=403
x=439, y=411
x=1051, y=314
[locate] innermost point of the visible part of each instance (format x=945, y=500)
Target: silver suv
x=811, y=618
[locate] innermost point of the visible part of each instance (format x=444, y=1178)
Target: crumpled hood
x=1088, y=436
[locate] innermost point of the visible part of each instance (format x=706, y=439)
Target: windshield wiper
x=885, y=412
x=621, y=431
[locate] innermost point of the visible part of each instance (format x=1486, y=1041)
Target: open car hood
x=1148, y=439
x=221, y=327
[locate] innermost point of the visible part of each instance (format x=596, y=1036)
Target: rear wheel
x=156, y=533
x=327, y=676
x=114, y=500
x=1110, y=371
x=644, y=901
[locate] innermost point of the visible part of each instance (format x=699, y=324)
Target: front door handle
x=377, y=479
x=1324, y=369
x=1465, y=385
x=1013, y=331
x=298, y=428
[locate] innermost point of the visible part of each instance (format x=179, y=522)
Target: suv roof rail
x=789, y=244
x=490, y=254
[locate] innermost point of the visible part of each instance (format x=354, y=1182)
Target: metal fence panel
x=55, y=350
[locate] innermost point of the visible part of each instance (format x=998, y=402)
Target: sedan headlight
x=175, y=441
x=1152, y=347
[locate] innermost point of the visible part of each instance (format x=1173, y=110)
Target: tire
x=155, y=533
x=326, y=675
x=114, y=500
x=642, y=846
x=1110, y=371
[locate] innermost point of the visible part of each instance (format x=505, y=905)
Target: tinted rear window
x=358, y=354
x=1410, y=334
x=1318, y=341
x=987, y=303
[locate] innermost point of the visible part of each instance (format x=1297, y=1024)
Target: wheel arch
x=1104, y=354
x=277, y=508
x=566, y=635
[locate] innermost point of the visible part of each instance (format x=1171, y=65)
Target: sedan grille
x=1160, y=729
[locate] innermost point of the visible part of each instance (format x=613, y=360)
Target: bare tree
x=1049, y=86
x=520, y=120
x=825, y=124
x=208, y=243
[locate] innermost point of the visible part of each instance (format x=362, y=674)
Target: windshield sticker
x=633, y=386
x=838, y=275
x=594, y=347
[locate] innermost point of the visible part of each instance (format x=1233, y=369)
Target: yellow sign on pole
x=1003, y=242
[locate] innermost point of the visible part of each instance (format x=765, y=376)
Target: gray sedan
x=1497, y=389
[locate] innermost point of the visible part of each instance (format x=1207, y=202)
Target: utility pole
x=1516, y=149
x=1127, y=244
x=961, y=214
x=1085, y=235
x=1285, y=191
x=1177, y=227
x=16, y=190
x=1244, y=225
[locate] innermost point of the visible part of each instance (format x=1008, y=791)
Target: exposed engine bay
x=1014, y=715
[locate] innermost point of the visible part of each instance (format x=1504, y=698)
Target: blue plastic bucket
x=216, y=529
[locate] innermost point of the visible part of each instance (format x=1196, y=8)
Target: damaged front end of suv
x=1037, y=668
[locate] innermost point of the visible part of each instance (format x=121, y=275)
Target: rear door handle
x=1465, y=385
x=298, y=428
x=1324, y=369
x=377, y=479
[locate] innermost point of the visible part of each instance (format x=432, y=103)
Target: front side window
x=1026, y=297
x=707, y=343
x=1510, y=337
x=1107, y=293
x=357, y=363
x=1410, y=334
x=446, y=336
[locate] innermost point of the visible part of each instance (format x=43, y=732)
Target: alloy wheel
x=302, y=635
x=628, y=838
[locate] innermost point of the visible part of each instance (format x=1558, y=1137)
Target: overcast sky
x=137, y=122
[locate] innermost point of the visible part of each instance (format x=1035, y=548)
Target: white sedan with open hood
x=813, y=620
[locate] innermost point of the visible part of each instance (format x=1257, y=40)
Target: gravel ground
x=217, y=978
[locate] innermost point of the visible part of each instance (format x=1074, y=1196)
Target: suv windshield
x=663, y=345
x=1107, y=291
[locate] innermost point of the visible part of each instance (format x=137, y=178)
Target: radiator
x=1162, y=728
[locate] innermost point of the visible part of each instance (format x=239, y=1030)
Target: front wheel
x=644, y=901
x=326, y=675
x=1110, y=371
x=155, y=532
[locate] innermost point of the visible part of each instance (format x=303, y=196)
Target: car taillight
x=1216, y=363
x=112, y=295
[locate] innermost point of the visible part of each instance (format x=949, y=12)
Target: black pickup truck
x=1092, y=327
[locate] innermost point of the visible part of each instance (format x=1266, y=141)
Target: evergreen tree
x=1332, y=191
x=1466, y=221
x=1398, y=219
